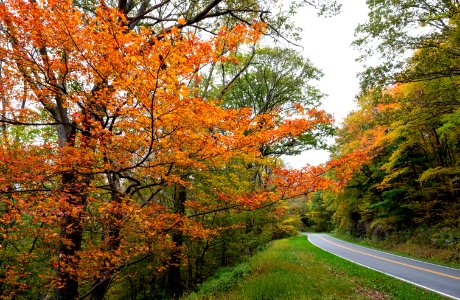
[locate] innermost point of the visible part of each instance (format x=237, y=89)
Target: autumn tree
x=100, y=120
x=268, y=81
x=407, y=102
x=113, y=97
x=410, y=180
x=272, y=81
x=278, y=79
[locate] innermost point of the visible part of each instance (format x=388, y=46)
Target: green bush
x=222, y=281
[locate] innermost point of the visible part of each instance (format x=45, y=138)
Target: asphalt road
x=439, y=279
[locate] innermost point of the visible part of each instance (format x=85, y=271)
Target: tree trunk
x=175, y=285
x=71, y=229
x=71, y=238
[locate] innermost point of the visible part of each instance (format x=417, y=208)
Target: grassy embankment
x=295, y=269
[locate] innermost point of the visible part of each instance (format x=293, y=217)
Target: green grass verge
x=410, y=250
x=295, y=269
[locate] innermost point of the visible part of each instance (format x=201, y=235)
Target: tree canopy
x=407, y=123
x=113, y=156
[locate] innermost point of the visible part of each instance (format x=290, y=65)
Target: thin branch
x=13, y=122
x=248, y=63
x=142, y=14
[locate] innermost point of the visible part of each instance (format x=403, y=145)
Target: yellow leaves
x=439, y=174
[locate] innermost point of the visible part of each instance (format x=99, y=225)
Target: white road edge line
x=405, y=280
x=413, y=259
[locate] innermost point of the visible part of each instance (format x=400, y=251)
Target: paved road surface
x=442, y=280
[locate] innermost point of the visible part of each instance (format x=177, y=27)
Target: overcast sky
x=327, y=43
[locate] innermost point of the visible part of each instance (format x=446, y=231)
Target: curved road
x=439, y=279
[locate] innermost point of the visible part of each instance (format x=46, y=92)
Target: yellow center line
x=393, y=261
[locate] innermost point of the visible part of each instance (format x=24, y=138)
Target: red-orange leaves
x=101, y=122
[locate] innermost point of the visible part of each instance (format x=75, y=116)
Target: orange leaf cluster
x=107, y=118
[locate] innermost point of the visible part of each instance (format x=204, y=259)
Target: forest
x=408, y=122
x=141, y=141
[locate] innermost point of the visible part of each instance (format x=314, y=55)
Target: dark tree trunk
x=71, y=238
x=174, y=284
x=71, y=228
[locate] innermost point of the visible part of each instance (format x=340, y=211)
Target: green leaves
x=278, y=80
x=397, y=27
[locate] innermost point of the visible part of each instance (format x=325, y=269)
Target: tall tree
x=115, y=102
x=100, y=121
x=278, y=79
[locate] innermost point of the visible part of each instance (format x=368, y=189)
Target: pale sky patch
x=327, y=43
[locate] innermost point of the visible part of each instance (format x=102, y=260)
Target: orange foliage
x=112, y=121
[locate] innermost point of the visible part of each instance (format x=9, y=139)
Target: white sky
x=327, y=43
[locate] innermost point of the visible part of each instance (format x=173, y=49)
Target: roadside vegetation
x=407, y=245
x=295, y=269
x=405, y=196
x=141, y=145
